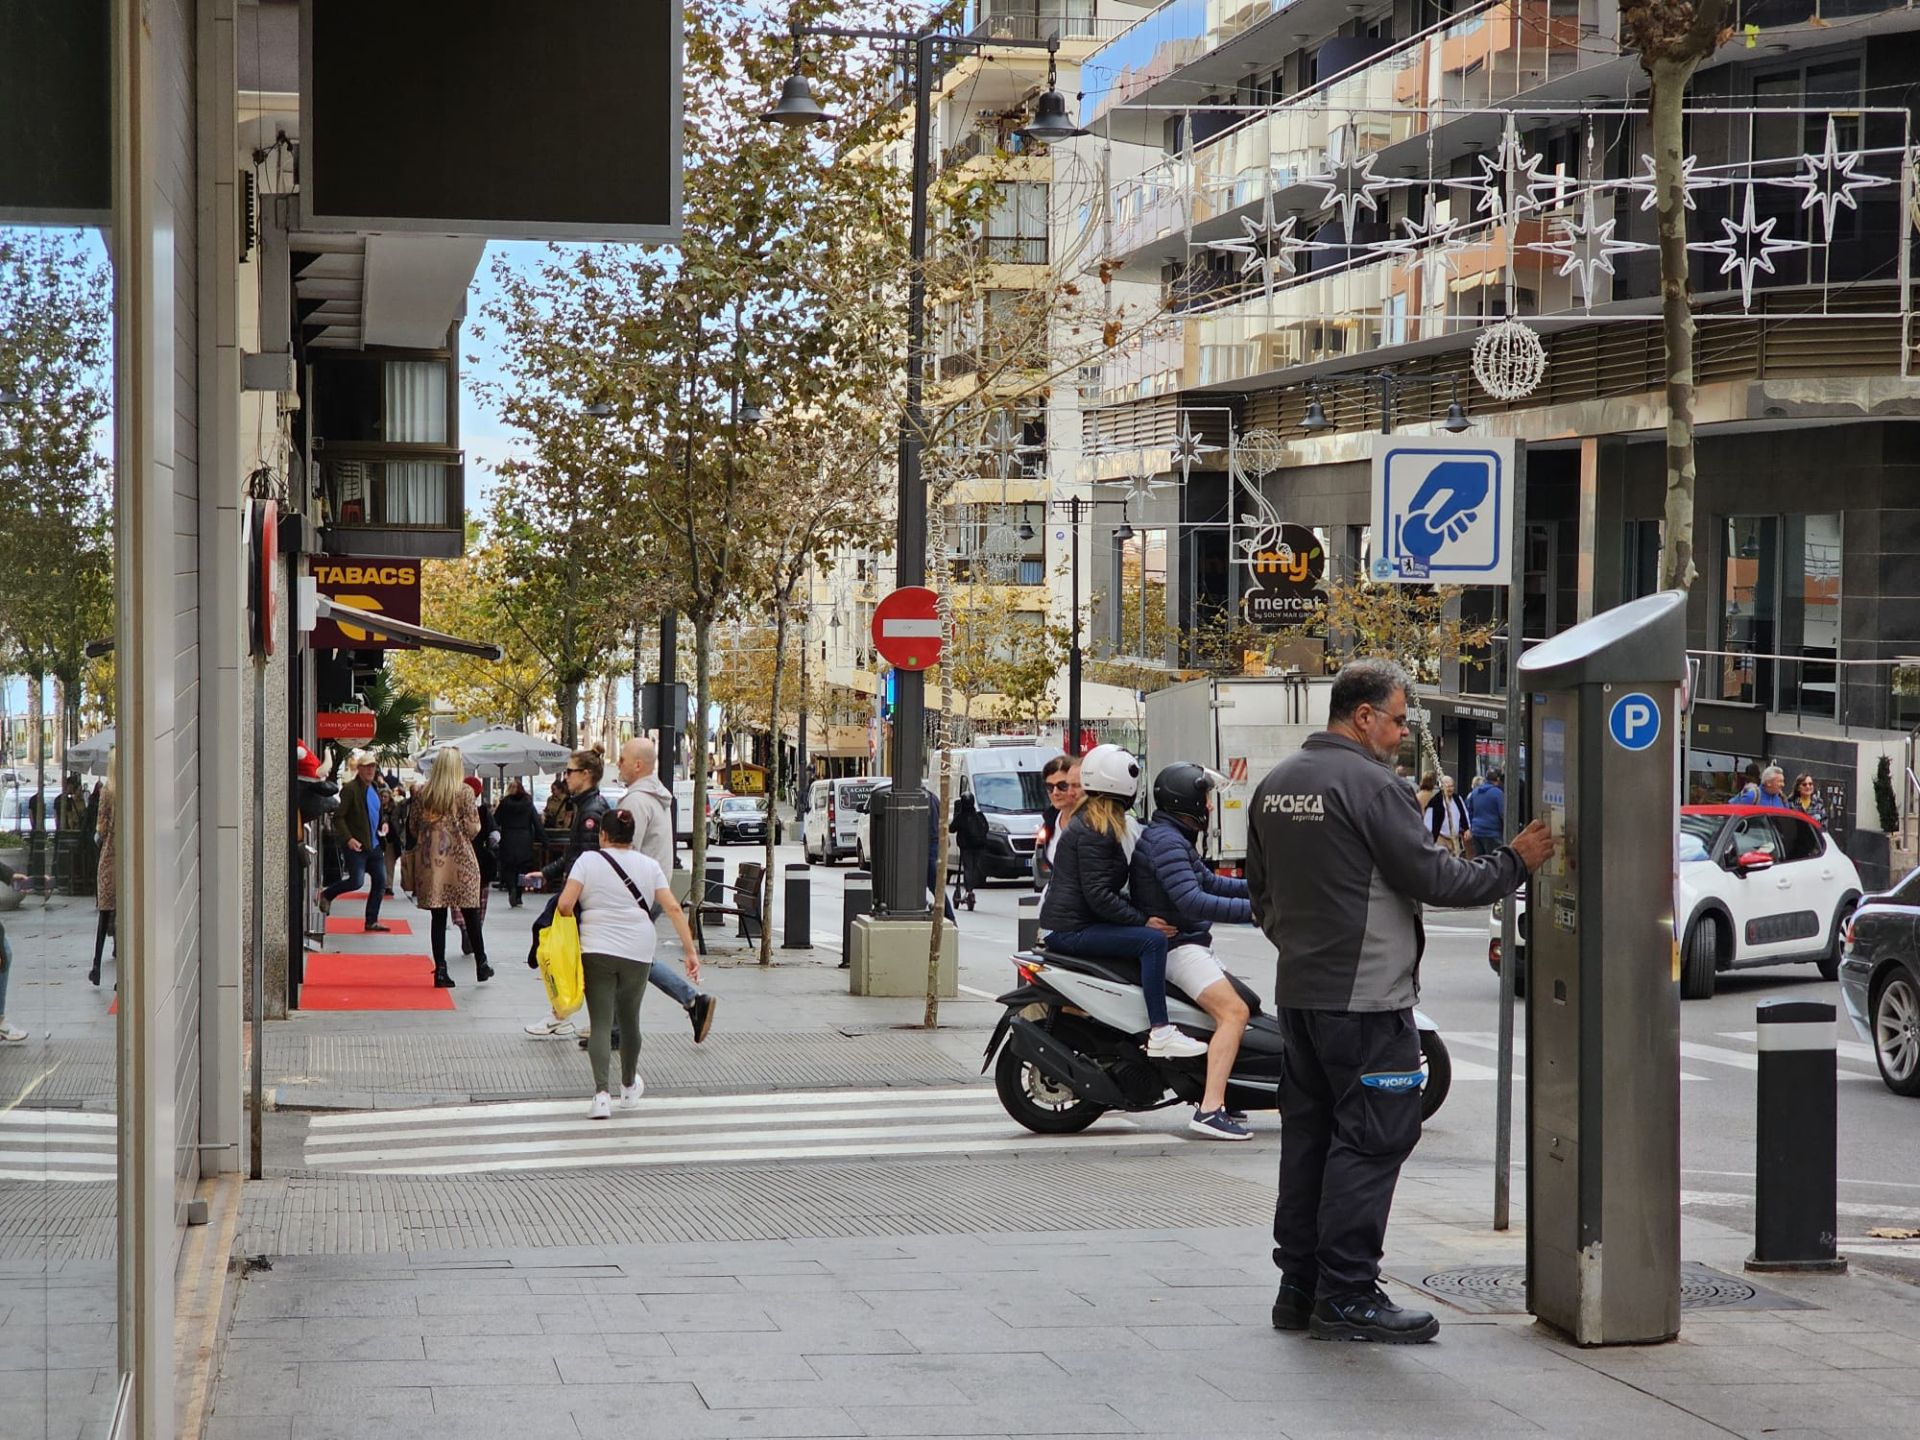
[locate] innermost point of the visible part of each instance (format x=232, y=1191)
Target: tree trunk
x=568, y=699
x=931, y=1020
x=773, y=782
x=37, y=759
x=1676, y=316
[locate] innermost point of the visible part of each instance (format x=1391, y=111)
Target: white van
x=1005, y=782
x=833, y=808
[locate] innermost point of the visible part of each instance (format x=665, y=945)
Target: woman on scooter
x=1086, y=910
x=1172, y=883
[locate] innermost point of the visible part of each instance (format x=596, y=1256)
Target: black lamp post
x=899, y=872
x=1076, y=506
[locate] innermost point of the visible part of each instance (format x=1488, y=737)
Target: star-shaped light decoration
x=1586, y=247
x=1830, y=181
x=1432, y=245
x=1267, y=245
x=1350, y=186
x=1649, y=191
x=1748, y=246
x=1187, y=449
x=1528, y=183
x=1005, y=447
x=1141, y=488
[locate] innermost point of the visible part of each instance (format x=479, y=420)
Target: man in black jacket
x=362, y=824
x=582, y=776
x=1338, y=866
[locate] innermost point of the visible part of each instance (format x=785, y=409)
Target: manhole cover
x=1502, y=1289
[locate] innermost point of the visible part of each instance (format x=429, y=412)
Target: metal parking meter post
x=1603, y=998
x=799, y=908
x=856, y=899
x=1029, y=932
x=1796, y=1140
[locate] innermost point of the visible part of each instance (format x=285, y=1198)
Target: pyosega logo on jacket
x=1301, y=807
x=1397, y=1081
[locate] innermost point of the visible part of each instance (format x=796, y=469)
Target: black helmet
x=1182, y=789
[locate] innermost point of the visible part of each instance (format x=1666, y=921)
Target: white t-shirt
x=611, y=920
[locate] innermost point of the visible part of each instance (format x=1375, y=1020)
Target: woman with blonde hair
x=445, y=819
x=105, y=890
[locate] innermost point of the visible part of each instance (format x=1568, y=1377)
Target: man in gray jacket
x=1339, y=863
x=651, y=805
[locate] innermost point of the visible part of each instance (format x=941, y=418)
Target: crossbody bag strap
x=627, y=880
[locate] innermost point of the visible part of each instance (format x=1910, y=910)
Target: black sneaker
x=701, y=1014
x=1292, y=1306
x=1370, y=1315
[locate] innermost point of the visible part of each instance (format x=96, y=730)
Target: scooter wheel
x=1043, y=1105
x=1439, y=1067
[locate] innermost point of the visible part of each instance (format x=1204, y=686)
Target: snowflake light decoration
x=1432, y=245
x=1748, y=246
x=1268, y=245
x=1649, y=190
x=1006, y=447
x=1187, y=449
x=1528, y=183
x=1508, y=360
x=1586, y=247
x=1830, y=182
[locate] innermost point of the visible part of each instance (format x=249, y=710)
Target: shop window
x=1780, y=612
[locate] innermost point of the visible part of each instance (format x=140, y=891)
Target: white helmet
x=1109, y=770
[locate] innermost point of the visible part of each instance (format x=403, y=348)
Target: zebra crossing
x=1855, y=1062
x=66, y=1145
x=518, y=1136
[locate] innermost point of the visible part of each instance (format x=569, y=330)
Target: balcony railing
x=1490, y=54
x=1017, y=21
x=412, y=488
x=1016, y=250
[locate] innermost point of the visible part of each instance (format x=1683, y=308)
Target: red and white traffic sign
x=906, y=628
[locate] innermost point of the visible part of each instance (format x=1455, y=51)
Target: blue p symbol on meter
x=1634, y=721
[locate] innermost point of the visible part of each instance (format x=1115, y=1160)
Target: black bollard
x=716, y=882
x=856, y=899
x=1796, y=1202
x=799, y=908
x=1029, y=933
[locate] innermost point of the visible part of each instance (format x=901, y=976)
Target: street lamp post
x=905, y=816
x=1074, y=506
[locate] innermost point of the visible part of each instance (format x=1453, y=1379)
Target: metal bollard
x=1029, y=932
x=799, y=908
x=716, y=883
x=856, y=900
x=1796, y=1211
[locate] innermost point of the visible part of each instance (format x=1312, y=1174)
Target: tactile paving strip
x=1502, y=1289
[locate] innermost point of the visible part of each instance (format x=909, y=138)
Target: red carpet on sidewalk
x=346, y=925
x=371, y=982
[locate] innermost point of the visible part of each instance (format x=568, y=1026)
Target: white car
x=834, y=809
x=1758, y=886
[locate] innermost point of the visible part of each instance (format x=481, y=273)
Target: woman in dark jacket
x=969, y=829
x=1086, y=910
x=517, y=823
x=486, y=856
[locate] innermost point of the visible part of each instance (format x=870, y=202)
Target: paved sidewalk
x=1150, y=1331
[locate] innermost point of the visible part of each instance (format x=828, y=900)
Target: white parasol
x=89, y=756
x=499, y=748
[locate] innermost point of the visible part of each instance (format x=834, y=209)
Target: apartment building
x=1336, y=201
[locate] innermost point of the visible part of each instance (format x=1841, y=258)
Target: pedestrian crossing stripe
x=1747, y=1060
x=77, y=1146
x=680, y=1130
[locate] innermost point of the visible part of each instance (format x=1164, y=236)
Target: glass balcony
x=388, y=500
x=1154, y=47
x=1071, y=20
x=1488, y=55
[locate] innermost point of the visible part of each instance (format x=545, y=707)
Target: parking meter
x=1603, y=1000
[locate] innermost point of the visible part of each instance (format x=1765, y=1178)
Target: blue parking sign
x=1443, y=510
x=1634, y=721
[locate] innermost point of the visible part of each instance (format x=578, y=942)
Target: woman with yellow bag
x=609, y=888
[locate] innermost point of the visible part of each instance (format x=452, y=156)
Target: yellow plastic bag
x=560, y=966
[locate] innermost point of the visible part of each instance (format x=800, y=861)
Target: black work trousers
x=1350, y=1116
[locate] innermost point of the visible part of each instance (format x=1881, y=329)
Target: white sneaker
x=9, y=1033
x=602, y=1107
x=1167, y=1043
x=630, y=1094
x=550, y=1028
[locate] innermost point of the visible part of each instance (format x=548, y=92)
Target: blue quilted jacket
x=1171, y=882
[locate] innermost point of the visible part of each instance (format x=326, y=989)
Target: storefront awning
x=386, y=625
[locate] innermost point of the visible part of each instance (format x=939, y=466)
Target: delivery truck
x=1242, y=727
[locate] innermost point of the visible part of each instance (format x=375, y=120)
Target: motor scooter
x=1069, y=1047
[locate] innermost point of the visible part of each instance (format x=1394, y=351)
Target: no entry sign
x=906, y=628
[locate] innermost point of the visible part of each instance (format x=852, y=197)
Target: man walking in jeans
x=1338, y=866
x=363, y=829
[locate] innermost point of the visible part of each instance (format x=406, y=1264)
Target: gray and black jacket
x=1338, y=864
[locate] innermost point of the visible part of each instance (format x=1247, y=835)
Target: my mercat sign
x=1288, y=566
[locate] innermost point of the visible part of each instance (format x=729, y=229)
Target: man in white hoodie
x=651, y=805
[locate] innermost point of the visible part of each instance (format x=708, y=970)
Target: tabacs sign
x=1287, y=572
x=388, y=587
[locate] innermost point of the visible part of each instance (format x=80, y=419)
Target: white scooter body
x=1124, y=1007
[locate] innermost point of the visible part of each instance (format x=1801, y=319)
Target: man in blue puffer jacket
x=1170, y=882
